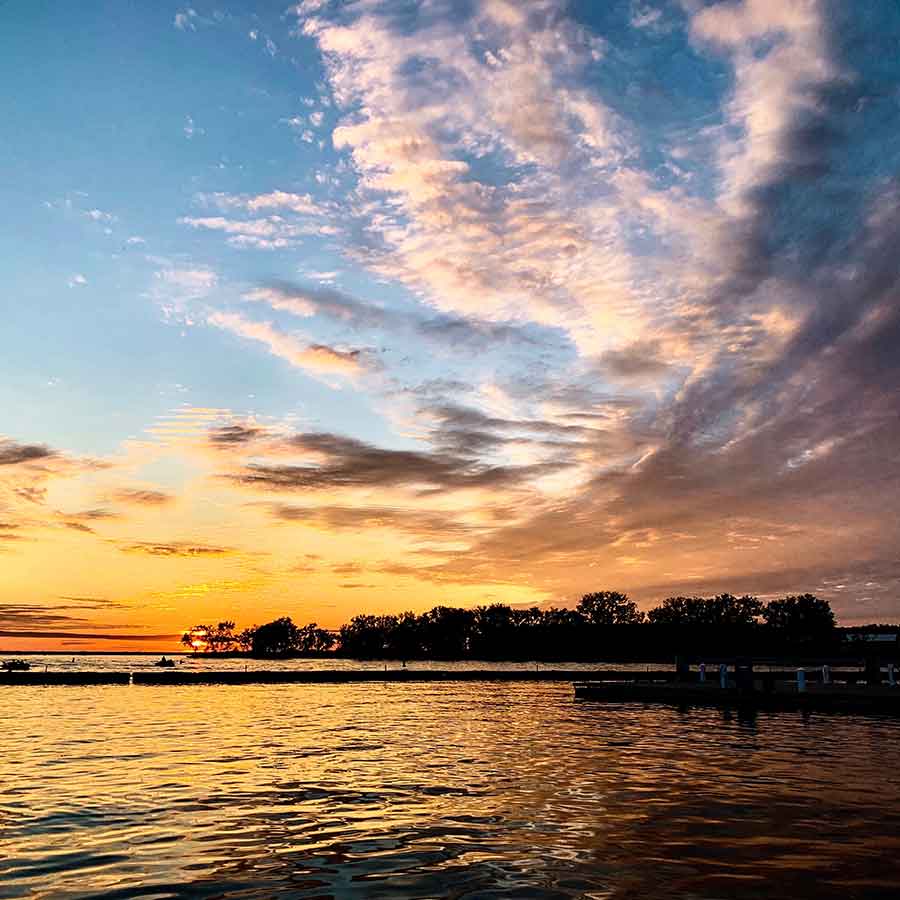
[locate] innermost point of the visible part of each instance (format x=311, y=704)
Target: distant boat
x=15, y=665
x=164, y=663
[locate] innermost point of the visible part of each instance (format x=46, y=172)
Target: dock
x=782, y=695
x=775, y=689
x=182, y=676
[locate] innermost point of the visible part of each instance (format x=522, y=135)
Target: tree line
x=604, y=625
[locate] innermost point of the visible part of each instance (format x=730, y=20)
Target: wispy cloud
x=187, y=19
x=174, y=548
x=12, y=453
x=142, y=497
x=310, y=356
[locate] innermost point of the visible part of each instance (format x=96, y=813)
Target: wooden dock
x=782, y=695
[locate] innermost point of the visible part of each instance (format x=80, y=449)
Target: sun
x=194, y=638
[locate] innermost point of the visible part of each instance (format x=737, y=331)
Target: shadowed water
x=453, y=789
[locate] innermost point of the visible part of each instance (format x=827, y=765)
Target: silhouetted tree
x=280, y=637
x=218, y=638
x=800, y=619
x=606, y=624
x=609, y=608
x=312, y=640
x=368, y=637
x=447, y=632
x=723, y=610
x=245, y=639
x=405, y=638
x=495, y=630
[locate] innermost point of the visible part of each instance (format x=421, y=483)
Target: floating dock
x=782, y=695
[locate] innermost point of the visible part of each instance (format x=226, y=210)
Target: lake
x=455, y=789
x=135, y=662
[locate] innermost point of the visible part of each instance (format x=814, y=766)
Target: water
x=122, y=662
x=473, y=790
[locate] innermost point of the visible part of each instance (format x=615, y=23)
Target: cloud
x=312, y=357
x=142, y=497
x=79, y=526
x=638, y=360
x=416, y=521
x=188, y=19
x=173, y=549
x=266, y=234
x=77, y=280
x=22, y=615
x=284, y=201
x=12, y=454
x=191, y=129
x=96, y=514
x=88, y=636
x=292, y=219
x=98, y=215
x=345, y=462
x=497, y=86
x=89, y=603
x=188, y=284
x=235, y=434
x=438, y=328
x=176, y=288
x=634, y=300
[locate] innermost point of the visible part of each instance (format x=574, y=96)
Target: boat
x=164, y=663
x=15, y=665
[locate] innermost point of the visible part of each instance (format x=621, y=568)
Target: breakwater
x=163, y=677
x=178, y=676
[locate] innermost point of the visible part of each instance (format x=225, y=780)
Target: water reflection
x=136, y=662
x=430, y=790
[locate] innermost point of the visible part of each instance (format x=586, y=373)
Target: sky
x=369, y=306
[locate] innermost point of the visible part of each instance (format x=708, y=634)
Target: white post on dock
x=703, y=671
x=892, y=675
x=801, y=681
x=826, y=674
x=723, y=675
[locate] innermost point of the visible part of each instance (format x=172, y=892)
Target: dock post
x=826, y=674
x=702, y=671
x=743, y=674
x=723, y=675
x=873, y=671
x=801, y=681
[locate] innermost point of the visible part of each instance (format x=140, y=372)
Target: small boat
x=15, y=665
x=164, y=663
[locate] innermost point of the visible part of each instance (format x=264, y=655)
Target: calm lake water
x=426, y=790
x=93, y=662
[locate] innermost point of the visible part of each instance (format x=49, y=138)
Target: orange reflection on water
x=412, y=790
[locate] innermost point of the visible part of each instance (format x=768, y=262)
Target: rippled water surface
x=424, y=790
x=127, y=662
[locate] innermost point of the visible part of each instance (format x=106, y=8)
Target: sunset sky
x=371, y=306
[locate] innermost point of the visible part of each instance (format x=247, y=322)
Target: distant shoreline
x=156, y=653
